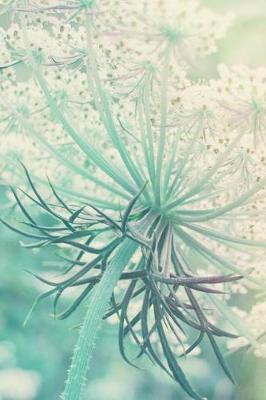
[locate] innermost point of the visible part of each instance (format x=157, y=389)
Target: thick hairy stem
x=98, y=304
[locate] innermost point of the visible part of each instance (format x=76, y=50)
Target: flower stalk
x=98, y=304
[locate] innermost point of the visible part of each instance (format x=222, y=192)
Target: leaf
x=195, y=344
x=213, y=257
x=132, y=323
x=46, y=281
x=147, y=301
x=79, y=256
x=45, y=229
x=166, y=307
x=35, y=245
x=87, y=267
x=42, y=202
x=219, y=332
x=76, y=214
x=130, y=207
x=105, y=216
x=21, y=206
x=220, y=357
x=234, y=320
x=35, y=304
x=58, y=197
x=23, y=233
x=123, y=318
x=174, y=367
x=76, y=302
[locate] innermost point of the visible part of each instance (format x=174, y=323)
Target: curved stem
x=93, y=154
x=98, y=304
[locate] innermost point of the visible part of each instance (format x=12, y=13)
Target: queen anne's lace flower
x=97, y=95
x=242, y=94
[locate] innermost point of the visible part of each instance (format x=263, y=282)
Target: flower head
x=137, y=153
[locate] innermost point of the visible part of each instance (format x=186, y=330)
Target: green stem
x=104, y=108
x=72, y=166
x=206, y=181
x=98, y=304
x=163, y=121
x=93, y=154
x=146, y=110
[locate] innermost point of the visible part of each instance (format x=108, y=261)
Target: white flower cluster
x=54, y=58
x=18, y=384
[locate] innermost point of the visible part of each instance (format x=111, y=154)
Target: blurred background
x=34, y=359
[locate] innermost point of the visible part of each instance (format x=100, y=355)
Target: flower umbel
x=157, y=186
